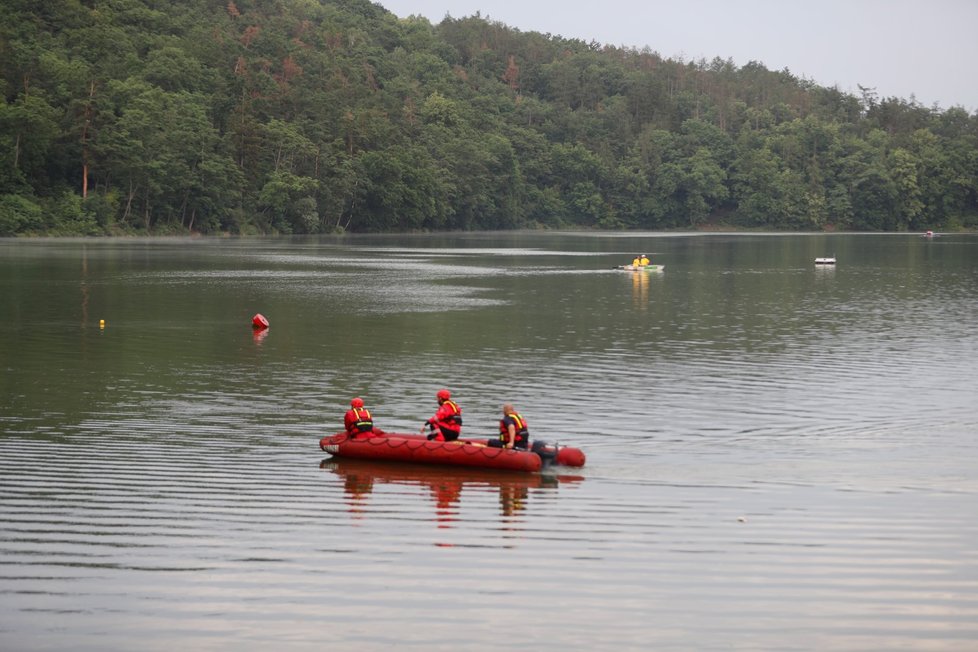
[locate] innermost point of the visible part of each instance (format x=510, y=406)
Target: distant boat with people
x=641, y=268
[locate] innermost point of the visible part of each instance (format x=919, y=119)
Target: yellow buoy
x=101, y=323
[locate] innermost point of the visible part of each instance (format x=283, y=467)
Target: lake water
x=780, y=456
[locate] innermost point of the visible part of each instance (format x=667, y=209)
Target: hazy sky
x=924, y=48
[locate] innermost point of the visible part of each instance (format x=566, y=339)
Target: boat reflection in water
x=640, y=290
x=444, y=484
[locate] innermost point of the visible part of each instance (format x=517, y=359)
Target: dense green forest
x=317, y=116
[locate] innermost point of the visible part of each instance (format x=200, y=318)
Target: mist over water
x=780, y=456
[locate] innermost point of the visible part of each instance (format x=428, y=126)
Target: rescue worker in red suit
x=358, y=422
x=446, y=425
x=512, y=430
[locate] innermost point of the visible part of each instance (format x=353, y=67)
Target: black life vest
x=522, y=434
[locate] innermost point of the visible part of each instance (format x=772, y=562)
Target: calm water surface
x=780, y=457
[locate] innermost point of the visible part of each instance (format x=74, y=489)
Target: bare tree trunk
x=183, y=206
x=353, y=204
x=132, y=195
x=84, y=138
x=146, y=209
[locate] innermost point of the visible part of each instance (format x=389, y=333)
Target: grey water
x=780, y=456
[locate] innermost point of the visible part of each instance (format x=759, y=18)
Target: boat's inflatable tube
x=420, y=450
x=550, y=453
x=465, y=452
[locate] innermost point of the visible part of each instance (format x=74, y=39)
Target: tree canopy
x=316, y=116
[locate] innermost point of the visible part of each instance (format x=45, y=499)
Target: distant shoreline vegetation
x=248, y=118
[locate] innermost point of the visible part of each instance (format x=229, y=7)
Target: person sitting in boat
x=358, y=422
x=637, y=260
x=446, y=425
x=512, y=430
x=644, y=260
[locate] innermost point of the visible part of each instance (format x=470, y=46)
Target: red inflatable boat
x=464, y=452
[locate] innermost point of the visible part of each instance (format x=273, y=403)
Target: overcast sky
x=924, y=48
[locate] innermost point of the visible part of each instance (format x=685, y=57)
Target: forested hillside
x=310, y=116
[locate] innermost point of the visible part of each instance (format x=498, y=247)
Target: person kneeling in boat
x=512, y=430
x=446, y=425
x=358, y=422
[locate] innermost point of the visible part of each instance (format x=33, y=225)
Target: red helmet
x=443, y=395
x=356, y=403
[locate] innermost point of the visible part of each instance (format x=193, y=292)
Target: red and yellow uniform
x=357, y=420
x=446, y=424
